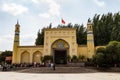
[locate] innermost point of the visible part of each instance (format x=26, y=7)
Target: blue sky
x=36, y=14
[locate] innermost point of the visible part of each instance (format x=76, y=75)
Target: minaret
x=16, y=42
x=90, y=40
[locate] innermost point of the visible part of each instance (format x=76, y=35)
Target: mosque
x=58, y=42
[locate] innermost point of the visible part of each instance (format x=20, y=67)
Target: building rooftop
x=60, y=29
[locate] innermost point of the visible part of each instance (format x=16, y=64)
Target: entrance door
x=60, y=56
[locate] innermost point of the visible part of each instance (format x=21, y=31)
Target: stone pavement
x=59, y=70
x=40, y=76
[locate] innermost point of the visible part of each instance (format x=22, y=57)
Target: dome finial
x=17, y=24
x=17, y=21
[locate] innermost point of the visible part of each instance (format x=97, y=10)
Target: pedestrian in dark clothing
x=4, y=68
x=53, y=66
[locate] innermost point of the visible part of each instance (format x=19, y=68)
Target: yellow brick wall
x=31, y=50
x=82, y=50
x=66, y=34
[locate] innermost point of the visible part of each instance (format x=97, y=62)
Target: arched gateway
x=25, y=57
x=60, y=49
x=58, y=42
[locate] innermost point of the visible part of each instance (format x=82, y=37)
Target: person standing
x=51, y=65
x=54, y=66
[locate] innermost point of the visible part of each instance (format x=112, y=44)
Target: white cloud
x=27, y=39
x=7, y=41
x=45, y=15
x=100, y=3
x=54, y=8
x=14, y=9
x=36, y=1
x=5, y=38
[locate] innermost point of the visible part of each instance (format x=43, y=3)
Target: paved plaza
x=61, y=73
x=40, y=76
x=58, y=70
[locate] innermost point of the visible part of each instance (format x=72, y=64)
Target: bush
x=47, y=58
x=74, y=58
x=81, y=57
x=108, y=56
x=101, y=50
x=99, y=59
x=69, y=58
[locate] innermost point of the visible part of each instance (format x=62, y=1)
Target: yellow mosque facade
x=58, y=42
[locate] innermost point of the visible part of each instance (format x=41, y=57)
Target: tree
x=115, y=35
x=50, y=25
x=69, y=25
x=109, y=55
x=99, y=59
x=81, y=34
x=101, y=50
x=113, y=50
x=40, y=37
x=4, y=55
x=106, y=28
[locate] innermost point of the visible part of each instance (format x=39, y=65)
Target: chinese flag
x=63, y=22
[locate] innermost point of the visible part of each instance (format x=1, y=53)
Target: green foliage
x=4, y=54
x=40, y=37
x=42, y=58
x=101, y=50
x=109, y=55
x=99, y=59
x=50, y=25
x=74, y=58
x=89, y=62
x=47, y=58
x=80, y=33
x=81, y=57
x=69, y=58
x=106, y=28
x=113, y=50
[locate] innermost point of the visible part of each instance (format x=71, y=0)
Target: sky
x=36, y=14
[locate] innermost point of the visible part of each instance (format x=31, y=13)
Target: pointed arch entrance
x=60, y=50
x=25, y=57
x=37, y=57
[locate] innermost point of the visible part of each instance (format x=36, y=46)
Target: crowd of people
x=6, y=67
